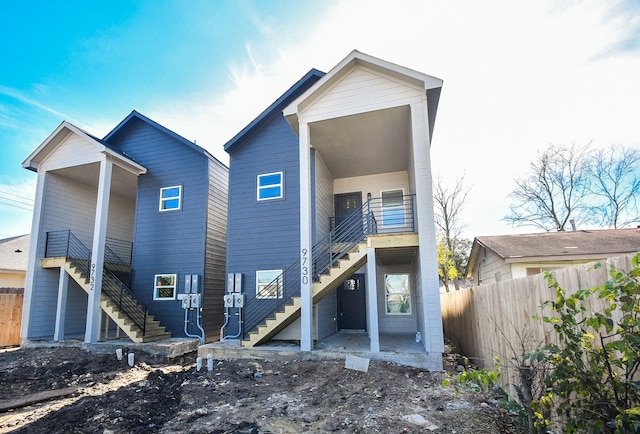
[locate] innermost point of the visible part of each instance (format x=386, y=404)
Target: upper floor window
x=270, y=186
x=171, y=198
x=393, y=209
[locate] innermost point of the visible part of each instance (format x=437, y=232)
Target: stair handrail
x=327, y=251
x=341, y=239
x=65, y=244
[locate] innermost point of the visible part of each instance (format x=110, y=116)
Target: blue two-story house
x=128, y=234
x=331, y=212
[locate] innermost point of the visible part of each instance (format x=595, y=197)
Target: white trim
x=166, y=199
x=264, y=187
x=155, y=287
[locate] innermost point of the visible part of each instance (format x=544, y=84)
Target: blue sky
x=517, y=76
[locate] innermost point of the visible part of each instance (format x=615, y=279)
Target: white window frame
x=274, y=274
x=260, y=188
x=156, y=296
x=164, y=200
x=401, y=297
x=400, y=207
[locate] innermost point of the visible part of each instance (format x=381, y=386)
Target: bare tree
x=555, y=191
x=615, y=185
x=448, y=204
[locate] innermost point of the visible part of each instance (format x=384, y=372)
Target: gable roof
x=51, y=143
x=554, y=246
x=276, y=107
x=133, y=116
x=14, y=253
x=431, y=85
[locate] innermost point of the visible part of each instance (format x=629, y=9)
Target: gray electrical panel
x=234, y=282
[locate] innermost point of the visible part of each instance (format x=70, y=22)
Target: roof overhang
x=427, y=82
x=61, y=133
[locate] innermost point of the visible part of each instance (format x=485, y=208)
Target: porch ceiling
x=396, y=255
x=123, y=183
x=366, y=143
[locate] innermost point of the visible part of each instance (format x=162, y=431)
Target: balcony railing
x=65, y=244
x=386, y=215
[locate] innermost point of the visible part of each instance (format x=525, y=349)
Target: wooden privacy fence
x=10, y=315
x=496, y=320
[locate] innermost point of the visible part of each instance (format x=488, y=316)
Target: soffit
x=364, y=144
x=123, y=182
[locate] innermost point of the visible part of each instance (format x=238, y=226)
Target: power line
x=19, y=198
x=16, y=205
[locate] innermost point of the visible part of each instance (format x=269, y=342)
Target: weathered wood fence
x=497, y=320
x=10, y=315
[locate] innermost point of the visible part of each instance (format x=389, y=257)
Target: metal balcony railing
x=394, y=214
x=66, y=244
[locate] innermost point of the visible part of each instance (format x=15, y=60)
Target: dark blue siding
x=263, y=235
x=169, y=242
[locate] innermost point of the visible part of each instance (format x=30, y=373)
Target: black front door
x=345, y=205
x=351, y=304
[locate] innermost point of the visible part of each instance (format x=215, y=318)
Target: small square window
x=171, y=198
x=270, y=186
x=269, y=284
x=165, y=287
x=397, y=294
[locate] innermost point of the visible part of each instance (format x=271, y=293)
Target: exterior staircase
x=116, y=299
x=327, y=282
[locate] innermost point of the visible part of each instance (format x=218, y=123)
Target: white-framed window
x=393, y=209
x=164, y=287
x=397, y=294
x=171, y=198
x=270, y=186
x=269, y=284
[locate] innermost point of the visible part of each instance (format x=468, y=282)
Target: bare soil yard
x=62, y=390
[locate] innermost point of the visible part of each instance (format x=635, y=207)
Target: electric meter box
x=195, y=300
x=238, y=300
x=228, y=300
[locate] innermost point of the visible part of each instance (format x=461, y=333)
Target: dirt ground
x=62, y=390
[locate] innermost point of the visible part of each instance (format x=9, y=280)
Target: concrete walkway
x=396, y=348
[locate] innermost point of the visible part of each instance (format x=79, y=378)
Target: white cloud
x=517, y=77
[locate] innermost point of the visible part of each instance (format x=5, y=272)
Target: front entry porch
x=394, y=348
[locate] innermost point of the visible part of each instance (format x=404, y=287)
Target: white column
x=61, y=308
x=431, y=327
x=92, y=333
x=35, y=253
x=306, y=278
x=372, y=300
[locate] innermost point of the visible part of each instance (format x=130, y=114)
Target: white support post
x=34, y=254
x=92, y=332
x=306, y=260
x=372, y=300
x=61, y=308
x=431, y=324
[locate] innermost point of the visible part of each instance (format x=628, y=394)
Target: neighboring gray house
x=121, y=226
x=331, y=213
x=505, y=257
